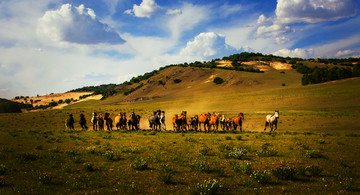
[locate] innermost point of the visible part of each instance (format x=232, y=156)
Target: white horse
x=162, y=120
x=94, y=120
x=272, y=120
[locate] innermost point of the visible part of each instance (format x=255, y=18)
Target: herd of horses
x=180, y=122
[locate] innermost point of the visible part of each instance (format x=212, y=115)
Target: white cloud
x=190, y=16
x=291, y=11
x=273, y=30
x=205, y=46
x=75, y=25
x=263, y=20
x=226, y=9
x=173, y=11
x=300, y=53
x=281, y=40
x=145, y=10
x=347, y=53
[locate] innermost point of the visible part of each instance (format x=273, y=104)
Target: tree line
x=321, y=75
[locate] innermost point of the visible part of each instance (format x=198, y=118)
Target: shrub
x=2, y=182
x=218, y=80
x=166, y=173
x=91, y=149
x=177, y=80
x=139, y=164
x=204, y=150
x=266, y=151
x=261, y=177
x=313, y=154
x=88, y=167
x=109, y=154
x=242, y=167
x=27, y=157
x=238, y=137
x=314, y=170
x=201, y=166
x=228, y=137
x=238, y=153
x=190, y=139
x=3, y=169
x=346, y=183
x=45, y=179
x=285, y=172
x=224, y=147
x=210, y=186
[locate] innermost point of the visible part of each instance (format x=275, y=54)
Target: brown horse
x=205, y=119
x=108, y=121
x=120, y=121
x=69, y=122
x=173, y=120
x=214, y=121
x=179, y=122
x=100, y=122
x=237, y=121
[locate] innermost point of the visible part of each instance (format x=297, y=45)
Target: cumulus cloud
x=263, y=20
x=347, y=53
x=145, y=10
x=291, y=11
x=300, y=53
x=273, y=30
x=207, y=45
x=76, y=25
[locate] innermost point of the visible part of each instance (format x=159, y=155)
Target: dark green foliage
x=208, y=187
x=261, y=177
x=201, y=166
x=166, y=173
x=133, y=89
x=242, y=167
x=139, y=164
x=285, y=172
x=7, y=106
x=320, y=75
x=313, y=154
x=94, y=88
x=177, y=80
x=314, y=170
x=218, y=80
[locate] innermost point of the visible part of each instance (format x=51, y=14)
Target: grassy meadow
x=314, y=151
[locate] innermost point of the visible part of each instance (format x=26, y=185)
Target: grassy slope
x=312, y=107
x=329, y=110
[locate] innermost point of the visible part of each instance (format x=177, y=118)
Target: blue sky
x=57, y=45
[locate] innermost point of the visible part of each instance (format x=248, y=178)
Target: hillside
x=7, y=106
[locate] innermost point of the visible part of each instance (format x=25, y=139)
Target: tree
x=218, y=80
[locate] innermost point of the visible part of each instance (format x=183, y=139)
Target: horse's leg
x=266, y=124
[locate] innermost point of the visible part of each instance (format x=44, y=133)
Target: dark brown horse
x=179, y=122
x=134, y=121
x=100, y=122
x=108, y=121
x=69, y=122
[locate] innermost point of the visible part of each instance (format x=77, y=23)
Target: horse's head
x=276, y=114
x=242, y=115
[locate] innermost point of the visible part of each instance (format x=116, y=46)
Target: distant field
x=318, y=126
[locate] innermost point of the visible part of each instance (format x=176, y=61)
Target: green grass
x=53, y=168
x=38, y=156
